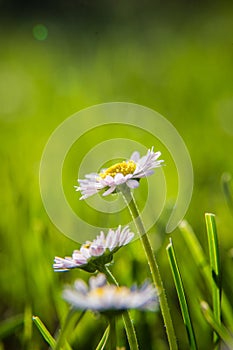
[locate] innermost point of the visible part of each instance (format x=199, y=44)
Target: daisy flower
x=127, y=172
x=99, y=252
x=98, y=296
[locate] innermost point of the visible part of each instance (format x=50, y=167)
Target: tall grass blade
x=218, y=328
x=181, y=295
x=215, y=269
x=44, y=332
x=202, y=263
x=103, y=340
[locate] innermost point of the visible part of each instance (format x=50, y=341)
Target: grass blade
x=215, y=268
x=202, y=263
x=103, y=340
x=181, y=295
x=44, y=332
x=218, y=328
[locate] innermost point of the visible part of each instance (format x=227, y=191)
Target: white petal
x=80, y=286
x=132, y=183
x=135, y=156
x=119, y=179
x=107, y=181
x=98, y=281
x=96, y=250
x=109, y=191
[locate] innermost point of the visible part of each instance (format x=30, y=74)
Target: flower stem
x=112, y=338
x=129, y=327
x=129, y=199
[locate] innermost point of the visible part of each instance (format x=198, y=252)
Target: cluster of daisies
x=98, y=295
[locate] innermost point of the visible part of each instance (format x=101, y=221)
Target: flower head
x=101, y=297
x=127, y=172
x=99, y=252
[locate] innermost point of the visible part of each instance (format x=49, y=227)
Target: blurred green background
x=174, y=57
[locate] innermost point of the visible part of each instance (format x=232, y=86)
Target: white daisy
x=99, y=252
x=101, y=297
x=127, y=172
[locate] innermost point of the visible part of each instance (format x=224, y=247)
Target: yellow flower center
x=103, y=291
x=98, y=292
x=87, y=245
x=123, y=168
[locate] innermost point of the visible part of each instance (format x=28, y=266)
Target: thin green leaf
x=44, y=332
x=218, y=328
x=202, y=263
x=103, y=340
x=215, y=267
x=9, y=325
x=181, y=295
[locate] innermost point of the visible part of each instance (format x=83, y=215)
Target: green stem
x=112, y=337
x=128, y=197
x=129, y=327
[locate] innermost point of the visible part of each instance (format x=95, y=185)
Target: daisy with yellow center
x=100, y=297
x=127, y=172
x=124, y=168
x=97, y=253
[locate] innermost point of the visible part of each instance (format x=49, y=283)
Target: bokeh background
x=59, y=57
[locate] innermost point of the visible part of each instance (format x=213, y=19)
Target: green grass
x=179, y=65
x=181, y=296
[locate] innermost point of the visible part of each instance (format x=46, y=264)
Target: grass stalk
x=219, y=329
x=103, y=340
x=44, y=332
x=181, y=296
x=201, y=261
x=215, y=270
